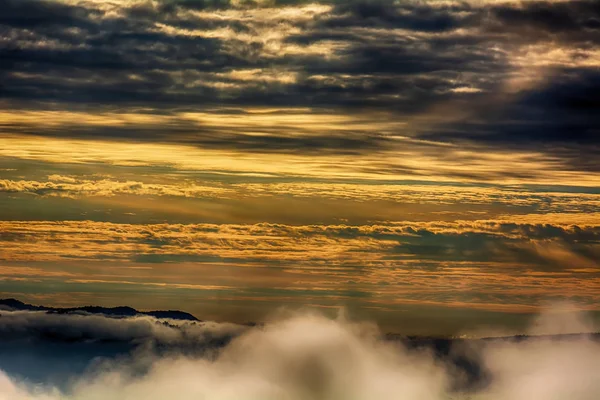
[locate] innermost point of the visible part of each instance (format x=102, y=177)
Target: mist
x=300, y=356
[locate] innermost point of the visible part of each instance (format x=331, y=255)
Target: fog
x=302, y=356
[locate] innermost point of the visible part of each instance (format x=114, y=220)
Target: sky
x=431, y=166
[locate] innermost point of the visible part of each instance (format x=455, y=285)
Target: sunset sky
x=432, y=166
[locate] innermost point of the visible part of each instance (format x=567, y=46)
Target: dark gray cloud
x=42, y=14
x=114, y=47
x=410, y=15
x=404, y=58
x=551, y=17
x=559, y=119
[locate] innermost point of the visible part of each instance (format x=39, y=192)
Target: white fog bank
x=311, y=357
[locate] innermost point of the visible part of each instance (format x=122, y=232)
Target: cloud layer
x=519, y=75
x=492, y=265
x=308, y=356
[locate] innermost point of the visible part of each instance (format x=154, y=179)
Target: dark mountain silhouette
x=15, y=304
x=116, y=312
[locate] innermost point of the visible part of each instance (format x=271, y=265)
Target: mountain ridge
x=115, y=312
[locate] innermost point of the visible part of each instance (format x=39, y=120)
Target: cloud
x=64, y=186
x=374, y=157
x=40, y=325
x=54, y=349
x=468, y=73
x=307, y=356
x=493, y=265
x=546, y=368
x=303, y=357
x=440, y=195
x=277, y=242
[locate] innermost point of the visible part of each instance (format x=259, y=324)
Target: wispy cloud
x=489, y=265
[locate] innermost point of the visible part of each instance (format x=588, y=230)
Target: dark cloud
x=554, y=17
x=410, y=16
x=405, y=58
x=346, y=142
x=41, y=14
x=133, y=45
x=558, y=118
